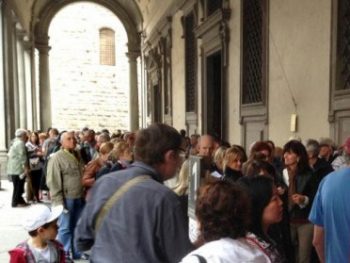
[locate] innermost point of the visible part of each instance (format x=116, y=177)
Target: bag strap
x=200, y=258
x=63, y=194
x=115, y=197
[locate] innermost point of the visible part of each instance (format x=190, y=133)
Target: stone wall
x=83, y=92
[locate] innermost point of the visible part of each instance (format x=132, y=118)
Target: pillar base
x=3, y=164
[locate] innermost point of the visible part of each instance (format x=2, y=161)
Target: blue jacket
x=145, y=225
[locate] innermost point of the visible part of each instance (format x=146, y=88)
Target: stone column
x=21, y=78
x=28, y=85
x=44, y=83
x=133, y=95
x=2, y=90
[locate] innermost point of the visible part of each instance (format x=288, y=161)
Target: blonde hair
x=219, y=156
x=232, y=153
x=181, y=187
x=119, y=148
x=42, y=136
x=106, y=147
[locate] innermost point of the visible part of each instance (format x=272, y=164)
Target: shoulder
x=92, y=164
x=228, y=250
x=18, y=144
x=56, y=244
x=336, y=179
x=56, y=155
x=19, y=253
x=146, y=190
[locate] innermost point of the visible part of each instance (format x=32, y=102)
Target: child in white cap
x=41, y=224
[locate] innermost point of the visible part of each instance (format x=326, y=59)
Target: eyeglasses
x=180, y=150
x=182, y=154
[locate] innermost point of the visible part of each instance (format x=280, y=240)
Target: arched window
x=107, y=47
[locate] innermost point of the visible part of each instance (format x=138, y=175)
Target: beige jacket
x=65, y=164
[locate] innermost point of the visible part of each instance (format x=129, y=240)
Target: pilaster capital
x=43, y=49
x=20, y=33
x=27, y=45
x=133, y=55
x=42, y=44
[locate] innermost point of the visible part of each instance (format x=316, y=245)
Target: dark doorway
x=214, y=97
x=157, y=95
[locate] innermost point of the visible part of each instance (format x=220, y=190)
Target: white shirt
x=44, y=255
x=227, y=250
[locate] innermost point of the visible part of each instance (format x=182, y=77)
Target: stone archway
x=130, y=16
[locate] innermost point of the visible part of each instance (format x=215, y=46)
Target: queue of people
x=252, y=206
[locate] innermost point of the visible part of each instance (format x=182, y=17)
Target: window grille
x=167, y=88
x=107, y=47
x=343, y=45
x=253, y=51
x=190, y=63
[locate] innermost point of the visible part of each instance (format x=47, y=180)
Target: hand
x=38, y=152
x=26, y=171
x=298, y=199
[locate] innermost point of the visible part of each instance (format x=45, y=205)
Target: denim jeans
x=67, y=222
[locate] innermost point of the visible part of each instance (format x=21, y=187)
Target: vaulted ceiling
x=126, y=10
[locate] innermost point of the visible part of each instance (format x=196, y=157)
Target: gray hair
x=104, y=137
x=313, y=146
x=20, y=132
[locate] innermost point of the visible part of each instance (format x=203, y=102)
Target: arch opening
x=84, y=91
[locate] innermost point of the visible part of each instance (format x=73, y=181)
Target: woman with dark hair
x=222, y=210
x=263, y=148
x=266, y=211
x=279, y=232
x=259, y=166
x=302, y=187
x=261, y=151
x=36, y=164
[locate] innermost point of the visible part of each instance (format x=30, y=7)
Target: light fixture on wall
x=293, y=122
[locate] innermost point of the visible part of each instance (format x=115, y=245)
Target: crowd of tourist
x=110, y=195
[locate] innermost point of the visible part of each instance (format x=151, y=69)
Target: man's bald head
x=68, y=141
x=205, y=145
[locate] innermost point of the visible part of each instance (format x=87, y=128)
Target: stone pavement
x=11, y=231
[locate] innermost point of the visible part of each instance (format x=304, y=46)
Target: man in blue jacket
x=330, y=215
x=145, y=224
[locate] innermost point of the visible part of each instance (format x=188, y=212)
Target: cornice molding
x=162, y=30
x=215, y=19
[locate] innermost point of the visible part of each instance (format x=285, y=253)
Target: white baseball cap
x=39, y=215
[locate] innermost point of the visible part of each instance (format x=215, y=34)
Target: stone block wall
x=83, y=92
